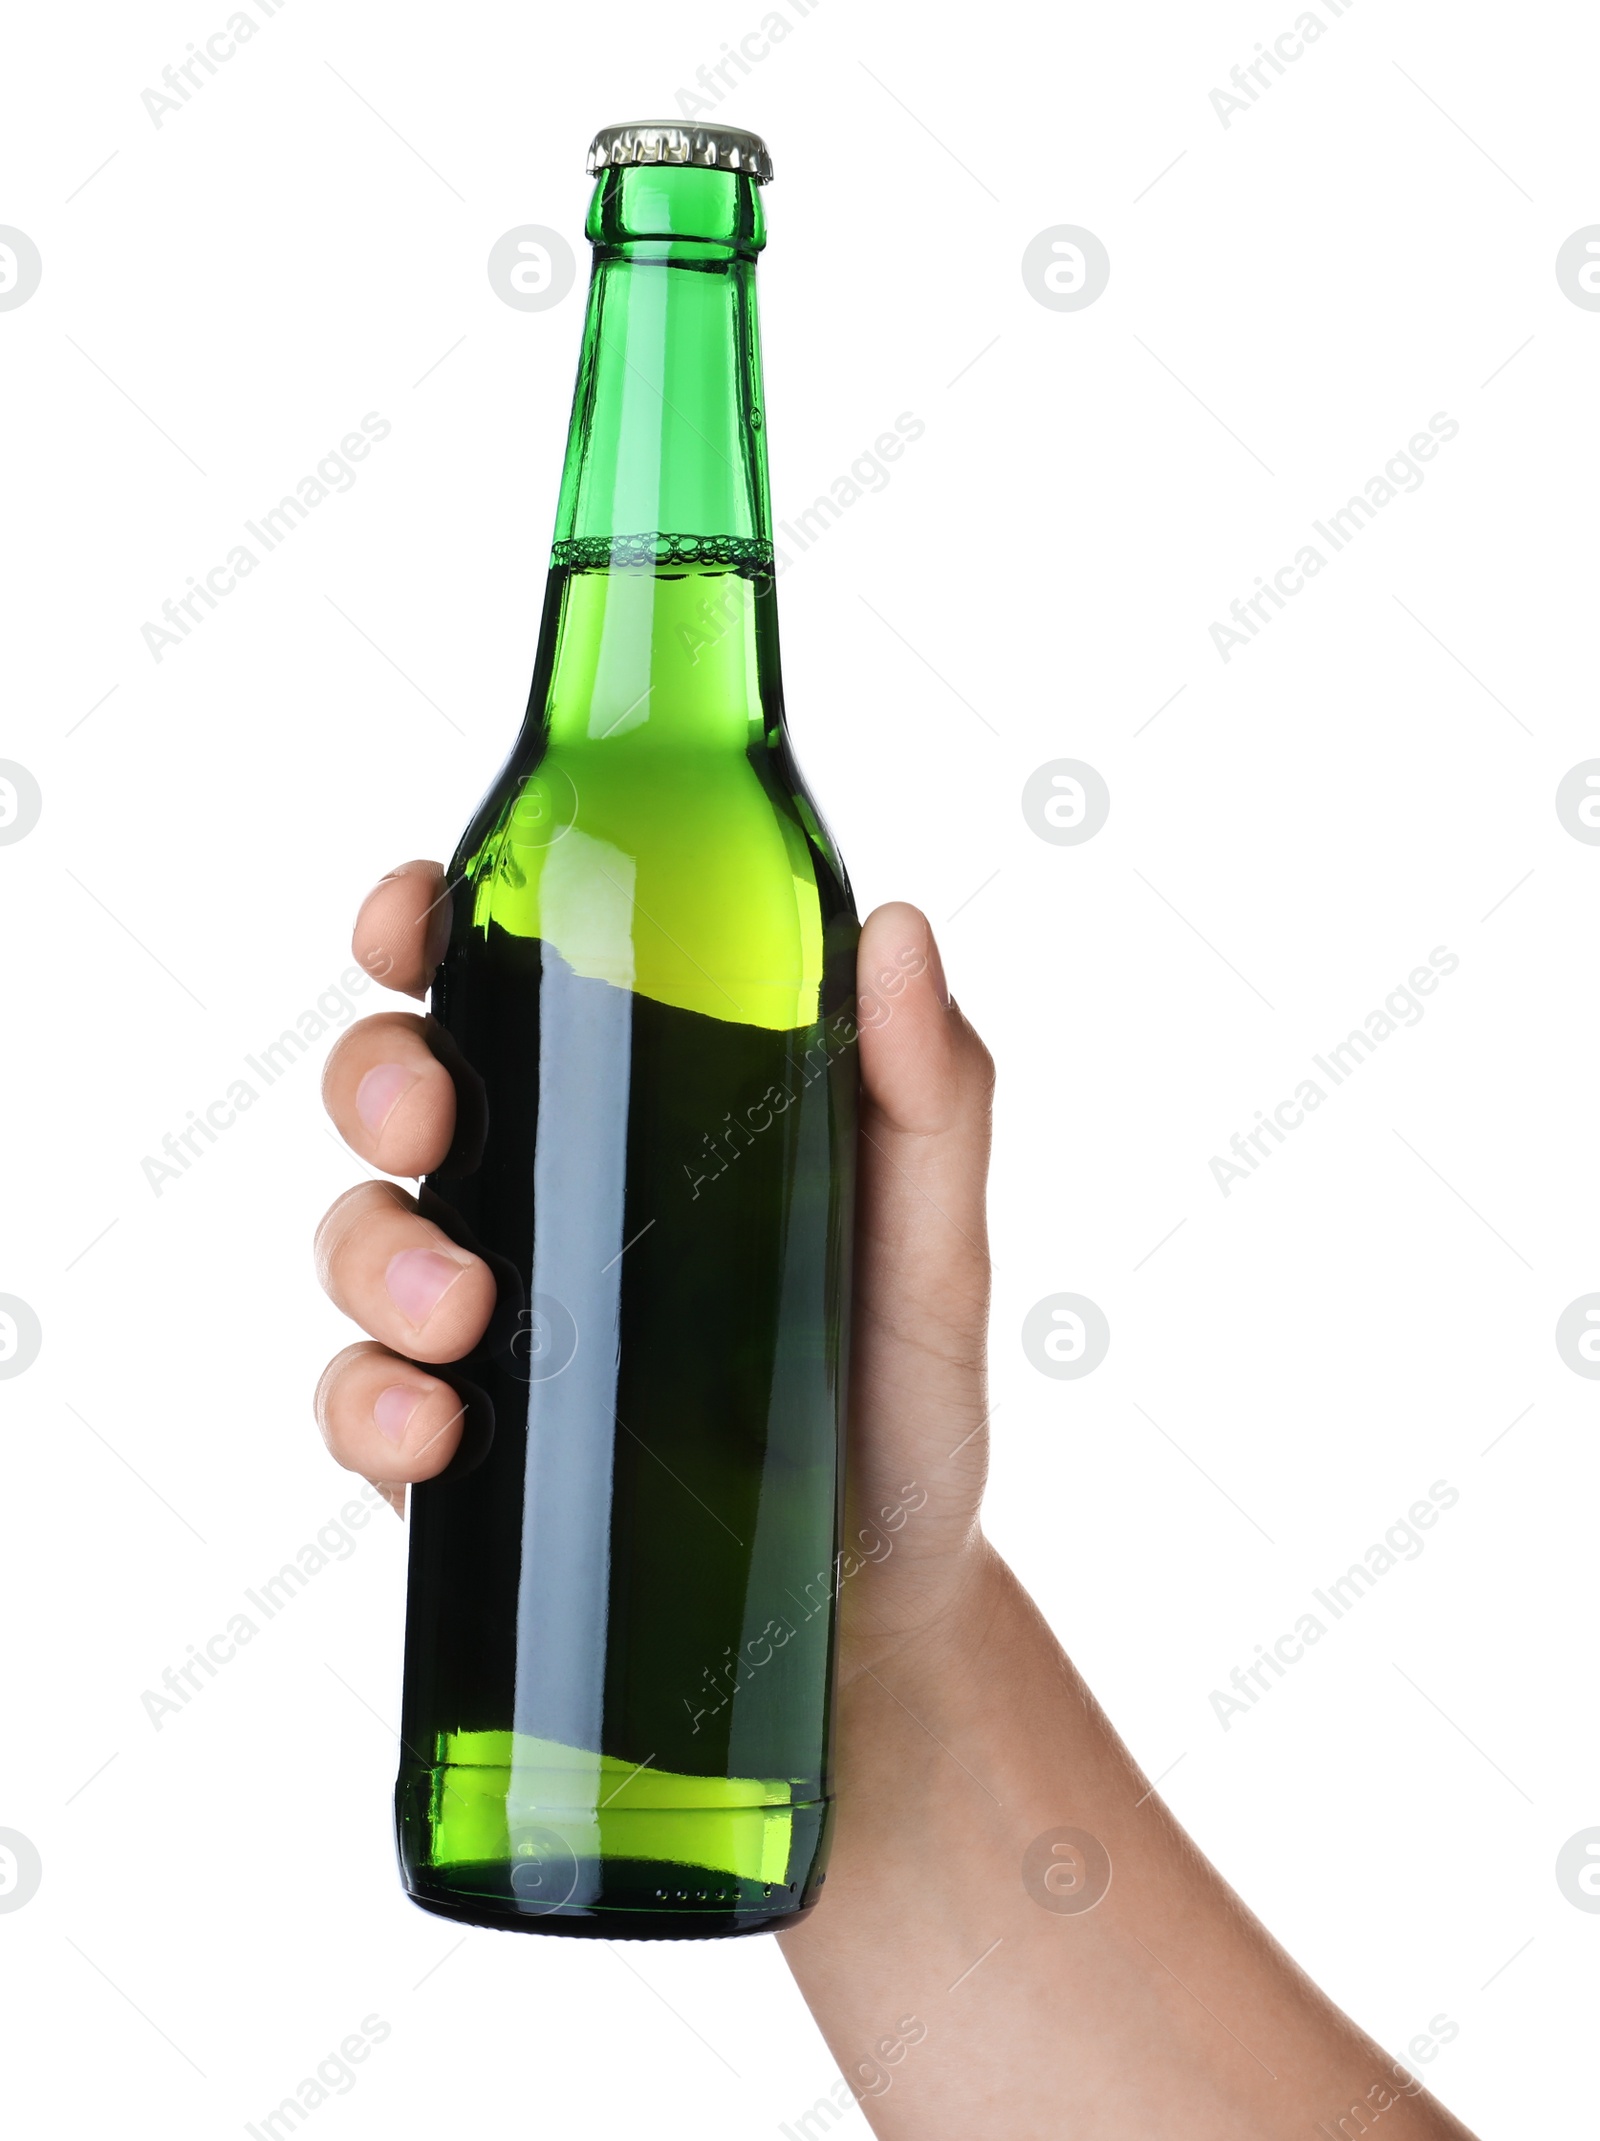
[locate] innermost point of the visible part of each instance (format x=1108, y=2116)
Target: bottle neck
x=660, y=625
x=666, y=456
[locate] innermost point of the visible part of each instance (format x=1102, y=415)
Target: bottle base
x=508, y=1913
x=497, y=1846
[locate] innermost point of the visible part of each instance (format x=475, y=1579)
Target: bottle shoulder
x=703, y=878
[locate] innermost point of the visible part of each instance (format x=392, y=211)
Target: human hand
x=921, y=1267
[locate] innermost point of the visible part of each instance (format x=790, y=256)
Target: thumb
x=922, y=1276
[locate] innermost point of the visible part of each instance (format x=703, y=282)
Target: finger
x=402, y=1278
x=403, y=927
x=386, y=1418
x=390, y=1097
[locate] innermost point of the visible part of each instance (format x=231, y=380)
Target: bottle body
x=620, y=1621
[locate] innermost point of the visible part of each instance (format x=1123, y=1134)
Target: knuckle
x=383, y=1033
x=332, y=1384
x=358, y=1207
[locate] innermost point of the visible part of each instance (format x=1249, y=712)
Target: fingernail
x=935, y=968
x=393, y=1410
x=378, y=1092
x=418, y=1280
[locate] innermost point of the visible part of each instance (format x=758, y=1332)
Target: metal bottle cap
x=664, y=141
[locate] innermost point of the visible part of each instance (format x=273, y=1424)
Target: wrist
x=927, y=1617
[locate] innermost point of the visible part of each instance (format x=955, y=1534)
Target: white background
x=1372, y=241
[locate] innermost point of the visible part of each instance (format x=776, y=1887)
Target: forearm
x=958, y=1981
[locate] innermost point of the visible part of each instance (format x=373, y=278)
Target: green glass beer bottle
x=620, y=1615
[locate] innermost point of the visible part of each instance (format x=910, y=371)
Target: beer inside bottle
x=620, y=1619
